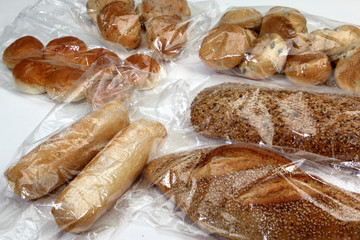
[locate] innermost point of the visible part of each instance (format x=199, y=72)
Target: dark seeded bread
x=325, y=124
x=246, y=192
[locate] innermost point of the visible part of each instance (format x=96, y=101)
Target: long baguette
x=242, y=192
x=61, y=157
x=107, y=176
x=325, y=124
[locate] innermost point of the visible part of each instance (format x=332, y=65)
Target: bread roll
x=347, y=71
x=245, y=17
x=58, y=159
x=325, y=124
x=94, y=6
x=266, y=57
x=148, y=9
x=309, y=68
x=224, y=47
x=167, y=35
x=107, y=177
x=245, y=192
x=94, y=55
x=287, y=22
x=119, y=26
x=22, y=48
x=143, y=71
x=59, y=82
x=30, y=75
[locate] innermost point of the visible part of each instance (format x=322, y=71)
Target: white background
x=20, y=114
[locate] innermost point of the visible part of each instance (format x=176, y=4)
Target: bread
x=224, y=47
x=166, y=35
x=108, y=90
x=287, y=22
x=148, y=9
x=93, y=7
x=119, y=26
x=246, y=192
x=60, y=80
x=251, y=36
x=266, y=57
x=309, y=68
x=347, y=71
x=325, y=124
x=245, y=17
x=59, y=158
x=30, y=75
x=143, y=71
x=107, y=177
x=22, y=48
x=65, y=50
x=96, y=54
x=334, y=42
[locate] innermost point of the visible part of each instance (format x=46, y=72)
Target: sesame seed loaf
x=241, y=191
x=322, y=123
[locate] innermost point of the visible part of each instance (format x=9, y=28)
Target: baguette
x=58, y=159
x=107, y=177
x=325, y=124
x=245, y=192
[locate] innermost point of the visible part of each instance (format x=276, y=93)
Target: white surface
x=20, y=113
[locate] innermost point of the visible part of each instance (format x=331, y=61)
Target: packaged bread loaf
x=243, y=191
x=58, y=159
x=322, y=123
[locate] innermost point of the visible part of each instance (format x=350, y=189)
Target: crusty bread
x=30, y=75
x=245, y=17
x=224, y=47
x=107, y=176
x=167, y=35
x=325, y=124
x=244, y=192
x=22, y=48
x=58, y=159
x=148, y=9
x=266, y=57
x=94, y=6
x=308, y=68
x=119, y=26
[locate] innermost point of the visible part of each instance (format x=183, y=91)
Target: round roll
x=30, y=75
x=22, y=48
x=94, y=6
x=94, y=55
x=244, y=17
x=224, y=47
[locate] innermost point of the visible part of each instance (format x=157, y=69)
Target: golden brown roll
x=224, y=47
x=30, y=75
x=22, y=48
x=242, y=192
x=265, y=58
x=347, y=71
x=119, y=26
x=167, y=35
x=91, y=56
x=143, y=71
x=148, y=9
x=251, y=36
x=65, y=50
x=58, y=159
x=94, y=6
x=287, y=22
x=309, y=68
x=107, y=177
x=60, y=80
x=248, y=18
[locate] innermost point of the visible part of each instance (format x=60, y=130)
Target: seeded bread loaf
x=246, y=192
x=325, y=124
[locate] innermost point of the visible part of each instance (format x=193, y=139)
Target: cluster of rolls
x=165, y=23
x=68, y=71
x=260, y=46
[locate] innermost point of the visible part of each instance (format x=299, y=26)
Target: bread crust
x=248, y=18
x=245, y=192
x=108, y=175
x=93, y=7
x=58, y=159
x=325, y=124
